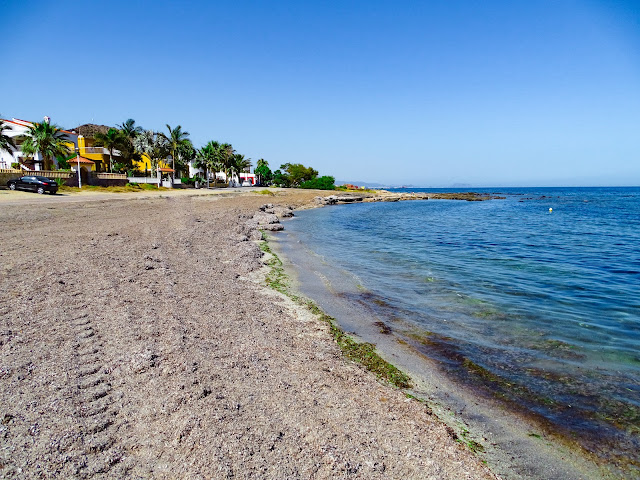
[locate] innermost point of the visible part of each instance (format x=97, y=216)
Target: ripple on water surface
x=547, y=303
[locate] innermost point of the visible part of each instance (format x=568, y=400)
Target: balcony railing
x=98, y=150
x=109, y=176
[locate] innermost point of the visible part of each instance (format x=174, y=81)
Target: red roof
x=166, y=170
x=75, y=160
x=26, y=123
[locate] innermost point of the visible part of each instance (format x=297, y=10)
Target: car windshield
x=43, y=179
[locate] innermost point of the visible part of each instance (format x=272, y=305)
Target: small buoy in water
x=550, y=210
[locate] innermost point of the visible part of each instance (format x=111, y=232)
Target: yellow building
x=100, y=155
x=144, y=166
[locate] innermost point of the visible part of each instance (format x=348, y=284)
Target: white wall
x=19, y=127
x=7, y=158
x=201, y=173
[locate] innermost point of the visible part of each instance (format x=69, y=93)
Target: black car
x=34, y=183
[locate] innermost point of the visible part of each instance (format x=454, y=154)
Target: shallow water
x=542, y=307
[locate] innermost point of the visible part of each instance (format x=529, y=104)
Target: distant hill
x=364, y=184
x=90, y=129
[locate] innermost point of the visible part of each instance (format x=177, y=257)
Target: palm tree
x=6, y=142
x=113, y=139
x=185, y=154
x=129, y=128
x=226, y=158
x=208, y=158
x=239, y=163
x=154, y=145
x=130, y=131
x=176, y=138
x=47, y=139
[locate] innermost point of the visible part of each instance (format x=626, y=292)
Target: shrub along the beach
x=293, y=175
x=320, y=183
x=279, y=179
x=296, y=173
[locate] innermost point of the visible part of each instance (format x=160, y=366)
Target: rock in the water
x=334, y=199
x=272, y=227
x=266, y=218
x=349, y=199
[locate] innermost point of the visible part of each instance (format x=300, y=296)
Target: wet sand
x=137, y=340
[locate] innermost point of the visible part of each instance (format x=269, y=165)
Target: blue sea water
x=546, y=302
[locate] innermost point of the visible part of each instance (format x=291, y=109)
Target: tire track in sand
x=95, y=401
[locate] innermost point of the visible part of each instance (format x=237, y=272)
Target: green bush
x=63, y=164
x=59, y=181
x=15, y=165
x=192, y=181
x=320, y=183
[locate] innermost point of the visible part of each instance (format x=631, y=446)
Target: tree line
x=132, y=142
x=292, y=175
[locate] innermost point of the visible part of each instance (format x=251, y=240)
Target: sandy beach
x=138, y=341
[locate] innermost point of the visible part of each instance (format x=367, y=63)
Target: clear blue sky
x=428, y=93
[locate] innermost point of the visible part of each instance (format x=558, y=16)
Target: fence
x=153, y=180
x=143, y=179
x=109, y=176
x=95, y=178
x=42, y=173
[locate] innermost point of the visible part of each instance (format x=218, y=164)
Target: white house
x=193, y=171
x=222, y=176
x=19, y=128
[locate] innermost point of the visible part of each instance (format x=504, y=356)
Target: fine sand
x=137, y=341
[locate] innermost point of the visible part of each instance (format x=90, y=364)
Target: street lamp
x=78, y=158
x=173, y=174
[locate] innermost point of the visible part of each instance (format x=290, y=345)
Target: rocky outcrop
x=278, y=210
x=383, y=196
x=336, y=199
x=267, y=218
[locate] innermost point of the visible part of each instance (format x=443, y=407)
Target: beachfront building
x=19, y=128
x=145, y=167
x=221, y=177
x=87, y=149
x=100, y=155
x=248, y=177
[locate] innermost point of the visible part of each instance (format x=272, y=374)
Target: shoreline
x=513, y=441
x=146, y=348
x=244, y=208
